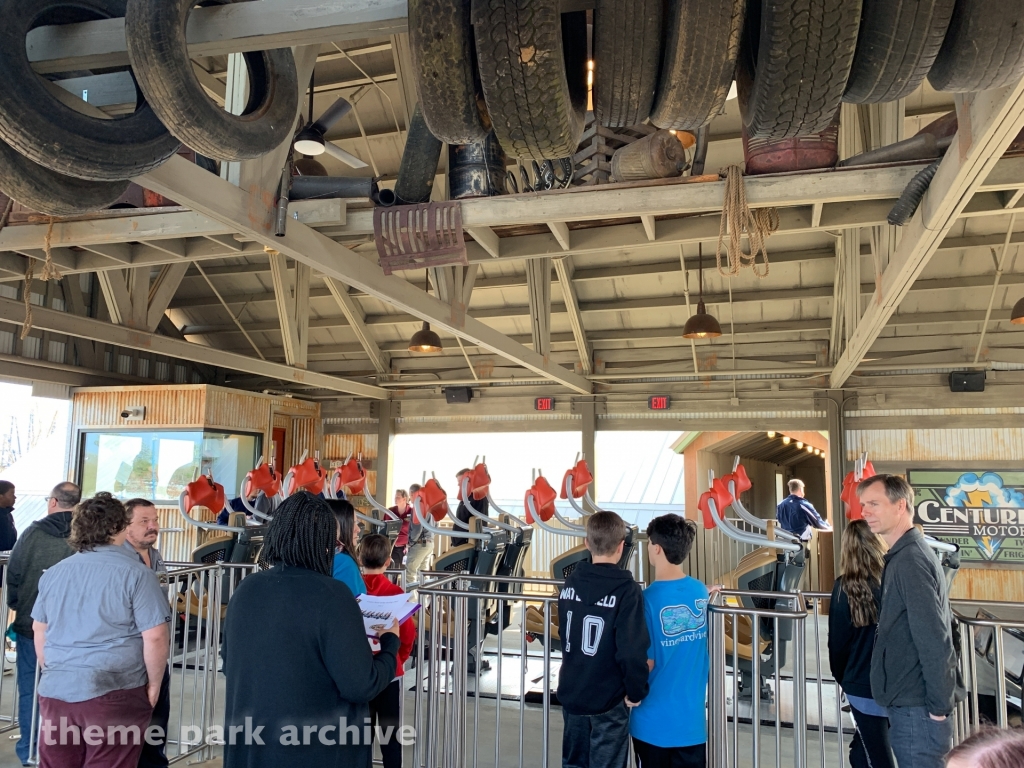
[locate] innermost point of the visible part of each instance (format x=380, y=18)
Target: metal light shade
x=425, y=340
x=309, y=142
x=701, y=325
x=1017, y=315
x=307, y=166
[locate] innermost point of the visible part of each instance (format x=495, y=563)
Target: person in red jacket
x=375, y=553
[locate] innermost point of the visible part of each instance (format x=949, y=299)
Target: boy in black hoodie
x=604, y=651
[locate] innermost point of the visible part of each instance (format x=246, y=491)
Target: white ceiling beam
x=285, y=300
x=87, y=328
x=988, y=122
x=162, y=291
x=538, y=286
x=564, y=269
x=561, y=232
x=354, y=316
x=222, y=29
x=650, y=227
x=487, y=239
x=115, y=293
x=191, y=185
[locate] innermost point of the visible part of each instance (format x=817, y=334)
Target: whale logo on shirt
x=676, y=619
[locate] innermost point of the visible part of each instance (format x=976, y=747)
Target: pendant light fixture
x=425, y=340
x=1017, y=315
x=701, y=325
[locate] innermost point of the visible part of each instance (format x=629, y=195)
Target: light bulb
x=799, y=445
x=786, y=440
x=771, y=435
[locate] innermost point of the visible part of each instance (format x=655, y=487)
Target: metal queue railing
x=991, y=661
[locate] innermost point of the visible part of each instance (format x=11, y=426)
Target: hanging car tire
x=155, y=30
x=795, y=62
x=533, y=69
x=702, y=42
x=627, y=51
x=984, y=47
x=59, y=137
x=49, y=192
x=444, y=58
x=896, y=47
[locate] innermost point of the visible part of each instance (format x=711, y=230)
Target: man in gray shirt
x=142, y=533
x=101, y=634
x=914, y=664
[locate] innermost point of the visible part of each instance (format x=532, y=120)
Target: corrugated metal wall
x=227, y=409
x=337, y=448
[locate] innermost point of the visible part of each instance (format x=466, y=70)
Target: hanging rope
x=739, y=220
x=50, y=272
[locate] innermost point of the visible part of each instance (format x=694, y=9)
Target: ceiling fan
x=310, y=140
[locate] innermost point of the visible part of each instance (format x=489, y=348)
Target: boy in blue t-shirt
x=669, y=727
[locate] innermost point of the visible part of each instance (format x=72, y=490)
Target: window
x=158, y=465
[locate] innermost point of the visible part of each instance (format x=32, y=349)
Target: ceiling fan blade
x=332, y=115
x=340, y=154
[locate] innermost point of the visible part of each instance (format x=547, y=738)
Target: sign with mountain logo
x=982, y=511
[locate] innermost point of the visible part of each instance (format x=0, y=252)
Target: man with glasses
x=44, y=544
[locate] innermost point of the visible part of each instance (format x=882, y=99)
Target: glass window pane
x=158, y=465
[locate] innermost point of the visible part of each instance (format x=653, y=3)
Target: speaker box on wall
x=458, y=394
x=967, y=381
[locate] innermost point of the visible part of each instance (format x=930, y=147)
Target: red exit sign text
x=544, y=404
x=659, y=402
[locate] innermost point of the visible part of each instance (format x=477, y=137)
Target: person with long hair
x=311, y=705
x=989, y=748
x=852, y=619
x=345, y=566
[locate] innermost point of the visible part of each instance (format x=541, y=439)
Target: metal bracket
x=418, y=236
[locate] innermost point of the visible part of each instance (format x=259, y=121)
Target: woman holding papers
x=310, y=706
x=375, y=551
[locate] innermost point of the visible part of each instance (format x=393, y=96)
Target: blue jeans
x=917, y=740
x=26, y=693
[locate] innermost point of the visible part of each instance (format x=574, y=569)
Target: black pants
x=870, y=747
x=397, y=557
x=596, y=741
x=384, y=710
x=650, y=756
x=153, y=755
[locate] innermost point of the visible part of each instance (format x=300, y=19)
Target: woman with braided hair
x=310, y=706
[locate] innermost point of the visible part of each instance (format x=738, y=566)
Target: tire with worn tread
x=533, y=70
x=444, y=58
x=804, y=50
x=51, y=193
x=984, y=47
x=155, y=31
x=37, y=124
x=627, y=51
x=702, y=42
x=896, y=47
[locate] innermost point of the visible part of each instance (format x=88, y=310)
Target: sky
x=35, y=428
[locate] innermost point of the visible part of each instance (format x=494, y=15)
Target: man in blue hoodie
x=44, y=544
x=604, y=651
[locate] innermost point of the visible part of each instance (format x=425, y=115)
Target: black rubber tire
x=537, y=98
x=627, y=51
x=984, y=47
x=804, y=50
x=896, y=47
x=155, y=30
x=49, y=192
x=54, y=135
x=702, y=42
x=444, y=58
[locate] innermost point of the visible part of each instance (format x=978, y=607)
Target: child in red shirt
x=375, y=552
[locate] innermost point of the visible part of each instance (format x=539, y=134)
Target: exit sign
x=659, y=402
x=544, y=404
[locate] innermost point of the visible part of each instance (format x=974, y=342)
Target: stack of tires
x=61, y=160
x=520, y=66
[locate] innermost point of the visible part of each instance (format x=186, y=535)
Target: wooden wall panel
x=232, y=410
x=179, y=406
x=992, y=584
x=337, y=448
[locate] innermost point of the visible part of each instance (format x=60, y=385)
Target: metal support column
x=385, y=433
x=835, y=401
x=587, y=408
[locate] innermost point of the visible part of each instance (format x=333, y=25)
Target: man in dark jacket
x=914, y=665
x=604, y=651
x=44, y=544
x=8, y=533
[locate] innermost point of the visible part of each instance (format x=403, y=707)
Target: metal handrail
x=799, y=612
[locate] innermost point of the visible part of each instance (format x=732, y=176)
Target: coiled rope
x=738, y=220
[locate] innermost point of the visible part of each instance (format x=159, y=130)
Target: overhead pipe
x=419, y=163
x=923, y=146
x=329, y=187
